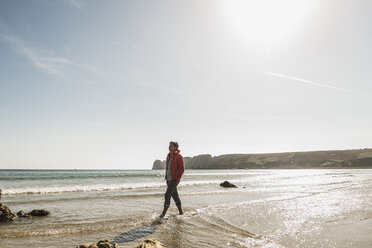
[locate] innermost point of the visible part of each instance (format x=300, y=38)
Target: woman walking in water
x=173, y=173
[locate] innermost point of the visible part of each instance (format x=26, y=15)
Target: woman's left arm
x=181, y=167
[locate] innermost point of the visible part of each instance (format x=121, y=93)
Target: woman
x=173, y=173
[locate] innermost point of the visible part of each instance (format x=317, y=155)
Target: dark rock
x=149, y=243
x=101, y=244
x=104, y=244
x=23, y=214
x=33, y=213
x=0, y=193
x=227, y=184
x=39, y=212
x=5, y=214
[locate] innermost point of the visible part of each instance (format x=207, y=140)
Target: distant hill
x=357, y=158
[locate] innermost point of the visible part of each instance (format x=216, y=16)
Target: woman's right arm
x=166, y=164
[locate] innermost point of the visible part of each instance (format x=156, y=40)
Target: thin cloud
x=42, y=59
x=94, y=70
x=56, y=65
x=76, y=3
x=313, y=83
x=47, y=63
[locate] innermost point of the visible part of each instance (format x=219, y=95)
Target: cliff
x=158, y=165
x=357, y=158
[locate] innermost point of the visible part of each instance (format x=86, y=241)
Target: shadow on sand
x=138, y=232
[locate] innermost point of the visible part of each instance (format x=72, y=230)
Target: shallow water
x=270, y=208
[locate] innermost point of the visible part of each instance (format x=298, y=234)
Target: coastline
x=352, y=158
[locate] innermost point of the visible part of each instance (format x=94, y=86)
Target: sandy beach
x=269, y=208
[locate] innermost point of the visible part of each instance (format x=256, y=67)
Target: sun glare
x=268, y=21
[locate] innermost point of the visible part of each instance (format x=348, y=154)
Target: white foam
x=101, y=187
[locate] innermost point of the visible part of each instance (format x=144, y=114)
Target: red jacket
x=177, y=166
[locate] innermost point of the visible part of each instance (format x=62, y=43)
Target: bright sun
x=268, y=21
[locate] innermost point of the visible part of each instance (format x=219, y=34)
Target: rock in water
x=39, y=212
x=227, y=184
x=34, y=213
x=149, y=243
x=23, y=214
x=5, y=214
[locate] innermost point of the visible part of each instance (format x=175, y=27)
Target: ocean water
x=270, y=208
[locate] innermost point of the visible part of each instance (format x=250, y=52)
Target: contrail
x=313, y=83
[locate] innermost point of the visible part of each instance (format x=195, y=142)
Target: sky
x=107, y=84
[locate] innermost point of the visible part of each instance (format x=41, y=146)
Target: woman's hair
x=174, y=143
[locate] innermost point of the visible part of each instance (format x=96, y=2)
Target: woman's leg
x=177, y=200
x=167, y=196
x=168, y=193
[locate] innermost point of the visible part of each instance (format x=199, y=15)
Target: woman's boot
x=179, y=209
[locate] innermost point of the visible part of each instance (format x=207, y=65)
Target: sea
x=268, y=208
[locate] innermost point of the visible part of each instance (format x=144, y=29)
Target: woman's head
x=173, y=146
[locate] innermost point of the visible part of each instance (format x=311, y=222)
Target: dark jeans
x=172, y=192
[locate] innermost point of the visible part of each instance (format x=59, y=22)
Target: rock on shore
x=100, y=244
x=147, y=243
x=5, y=214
